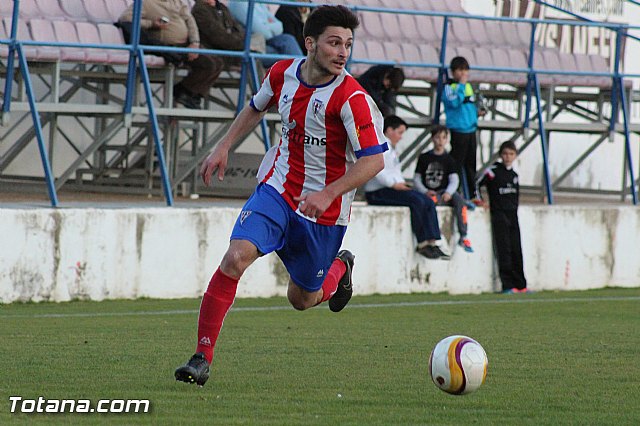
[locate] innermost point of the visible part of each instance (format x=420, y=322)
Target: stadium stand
x=396, y=37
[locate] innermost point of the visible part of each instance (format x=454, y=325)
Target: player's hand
x=401, y=186
x=446, y=197
x=216, y=160
x=314, y=204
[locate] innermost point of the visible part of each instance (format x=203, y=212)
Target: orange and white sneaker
x=466, y=245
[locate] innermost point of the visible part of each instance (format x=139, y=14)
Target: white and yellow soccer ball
x=458, y=365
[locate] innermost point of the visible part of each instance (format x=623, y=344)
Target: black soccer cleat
x=196, y=370
x=345, y=287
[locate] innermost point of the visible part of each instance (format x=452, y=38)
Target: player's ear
x=310, y=43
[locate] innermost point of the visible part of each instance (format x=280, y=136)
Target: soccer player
x=332, y=142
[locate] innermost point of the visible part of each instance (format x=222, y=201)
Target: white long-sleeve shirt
x=390, y=175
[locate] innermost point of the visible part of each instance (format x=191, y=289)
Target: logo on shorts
x=205, y=341
x=244, y=215
x=320, y=273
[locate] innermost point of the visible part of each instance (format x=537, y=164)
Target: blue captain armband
x=372, y=150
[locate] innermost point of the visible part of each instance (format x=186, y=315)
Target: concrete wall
x=65, y=254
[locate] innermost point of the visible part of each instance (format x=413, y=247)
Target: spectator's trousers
x=424, y=218
x=508, y=247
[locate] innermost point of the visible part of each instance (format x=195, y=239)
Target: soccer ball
x=458, y=365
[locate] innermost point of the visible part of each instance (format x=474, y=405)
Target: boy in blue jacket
x=462, y=122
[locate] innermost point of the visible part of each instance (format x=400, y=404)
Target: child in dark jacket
x=504, y=191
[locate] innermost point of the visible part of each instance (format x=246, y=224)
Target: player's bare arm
x=243, y=124
x=314, y=204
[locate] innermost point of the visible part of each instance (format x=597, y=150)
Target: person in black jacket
x=382, y=83
x=504, y=191
x=292, y=18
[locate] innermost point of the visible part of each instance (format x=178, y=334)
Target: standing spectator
x=265, y=23
x=292, y=18
x=462, y=120
x=382, y=82
x=504, y=191
x=388, y=188
x=220, y=30
x=169, y=23
x=437, y=177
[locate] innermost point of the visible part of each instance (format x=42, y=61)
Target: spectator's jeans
x=424, y=218
x=458, y=204
x=283, y=44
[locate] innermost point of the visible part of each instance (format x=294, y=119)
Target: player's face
x=508, y=156
x=440, y=141
x=394, y=135
x=329, y=53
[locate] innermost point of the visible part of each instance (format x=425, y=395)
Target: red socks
x=330, y=284
x=216, y=302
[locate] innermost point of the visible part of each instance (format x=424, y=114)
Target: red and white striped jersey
x=324, y=130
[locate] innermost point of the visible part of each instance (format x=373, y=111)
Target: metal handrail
x=137, y=52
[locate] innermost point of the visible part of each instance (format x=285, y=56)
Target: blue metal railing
x=248, y=70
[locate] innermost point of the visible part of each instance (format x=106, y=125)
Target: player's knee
x=297, y=300
x=299, y=304
x=233, y=263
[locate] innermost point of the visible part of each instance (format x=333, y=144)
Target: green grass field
x=554, y=358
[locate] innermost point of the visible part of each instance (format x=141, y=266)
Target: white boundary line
x=354, y=306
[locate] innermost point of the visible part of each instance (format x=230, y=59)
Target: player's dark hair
x=329, y=16
x=394, y=122
x=437, y=129
x=459, y=63
x=396, y=78
x=508, y=145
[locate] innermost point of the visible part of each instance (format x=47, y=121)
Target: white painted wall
x=65, y=254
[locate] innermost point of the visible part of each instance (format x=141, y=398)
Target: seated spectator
x=265, y=23
x=169, y=23
x=220, y=30
x=437, y=177
x=293, y=18
x=382, y=82
x=388, y=188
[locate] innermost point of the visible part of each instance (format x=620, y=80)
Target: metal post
x=530, y=75
x=6, y=103
x=37, y=125
x=543, y=140
x=442, y=71
x=627, y=143
x=133, y=51
x=166, y=184
x=616, y=80
x=263, y=122
x=242, y=91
